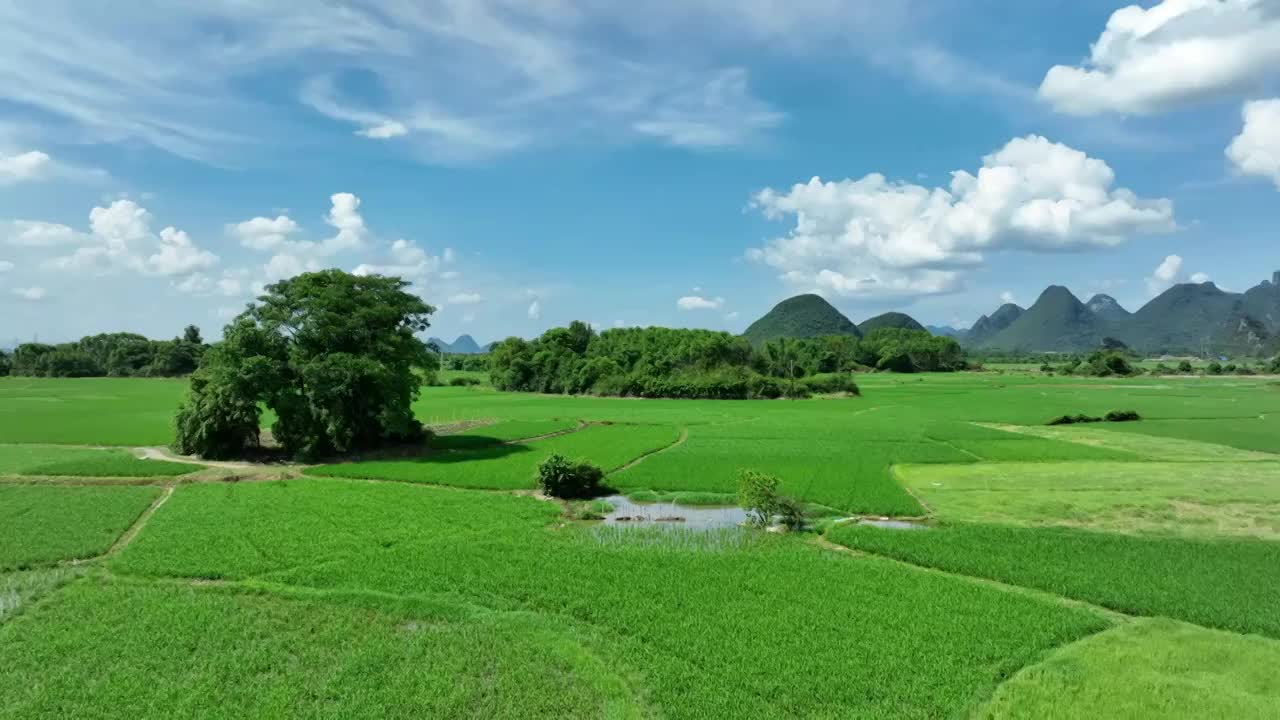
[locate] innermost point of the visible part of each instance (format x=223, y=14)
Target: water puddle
x=894, y=524
x=672, y=515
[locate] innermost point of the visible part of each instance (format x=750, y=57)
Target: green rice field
x=1126, y=570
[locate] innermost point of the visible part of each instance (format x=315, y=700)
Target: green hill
x=1262, y=302
x=1057, y=322
x=890, y=320
x=797, y=317
x=1192, y=317
x=988, y=326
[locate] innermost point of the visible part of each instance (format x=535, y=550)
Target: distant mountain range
x=1187, y=318
x=464, y=345
x=1195, y=318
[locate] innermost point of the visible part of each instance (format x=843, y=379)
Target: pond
x=672, y=515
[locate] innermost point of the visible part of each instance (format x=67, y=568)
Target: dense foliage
x=802, y=316
x=333, y=355
x=560, y=477
x=665, y=362
x=108, y=354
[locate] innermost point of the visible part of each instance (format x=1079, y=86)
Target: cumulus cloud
x=876, y=237
x=262, y=233
x=408, y=261
x=465, y=299
x=695, y=302
x=1006, y=297
x=178, y=255
x=1256, y=150
x=1173, y=54
x=119, y=238
x=535, y=310
x=1170, y=272
x=23, y=167
x=31, y=294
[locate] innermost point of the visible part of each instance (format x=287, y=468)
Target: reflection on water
x=894, y=524
x=672, y=515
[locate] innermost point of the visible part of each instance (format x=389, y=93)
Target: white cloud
x=1173, y=54
x=535, y=310
x=178, y=255
x=466, y=299
x=35, y=233
x=119, y=238
x=23, y=167
x=384, y=131
x=1166, y=274
x=286, y=265
x=408, y=261
x=1200, y=277
x=450, y=274
x=875, y=237
x=1256, y=150
x=537, y=73
x=1006, y=297
x=5, y=266
x=449, y=255
x=262, y=233
x=345, y=217
x=32, y=294
x=731, y=316
x=695, y=302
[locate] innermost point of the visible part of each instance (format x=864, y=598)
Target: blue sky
x=530, y=163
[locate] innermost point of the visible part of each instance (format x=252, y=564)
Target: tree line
x=108, y=355
x=682, y=363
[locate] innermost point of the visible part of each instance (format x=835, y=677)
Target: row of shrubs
x=1113, y=416
x=723, y=385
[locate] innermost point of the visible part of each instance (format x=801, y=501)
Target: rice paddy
x=1115, y=570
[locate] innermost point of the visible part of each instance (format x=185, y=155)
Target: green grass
x=771, y=627
x=1151, y=447
x=89, y=411
x=20, y=588
x=512, y=467
x=501, y=432
x=1261, y=434
x=43, y=524
x=1202, y=498
x=53, y=460
x=1227, y=584
x=114, y=649
x=1149, y=669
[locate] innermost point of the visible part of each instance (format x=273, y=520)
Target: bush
x=463, y=381
x=1274, y=367
x=1123, y=416
x=562, y=478
x=758, y=493
x=1074, y=420
x=1215, y=368
x=1185, y=367
x=828, y=383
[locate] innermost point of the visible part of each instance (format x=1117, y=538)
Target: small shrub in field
x=463, y=381
x=561, y=477
x=828, y=383
x=1185, y=366
x=758, y=493
x=1215, y=368
x=1123, y=416
x=1074, y=419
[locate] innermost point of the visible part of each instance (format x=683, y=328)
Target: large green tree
x=333, y=355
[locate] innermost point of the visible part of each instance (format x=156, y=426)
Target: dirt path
x=161, y=453
x=684, y=435
x=582, y=425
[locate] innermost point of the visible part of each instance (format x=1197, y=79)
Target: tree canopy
x=111, y=354
x=333, y=355
x=665, y=362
